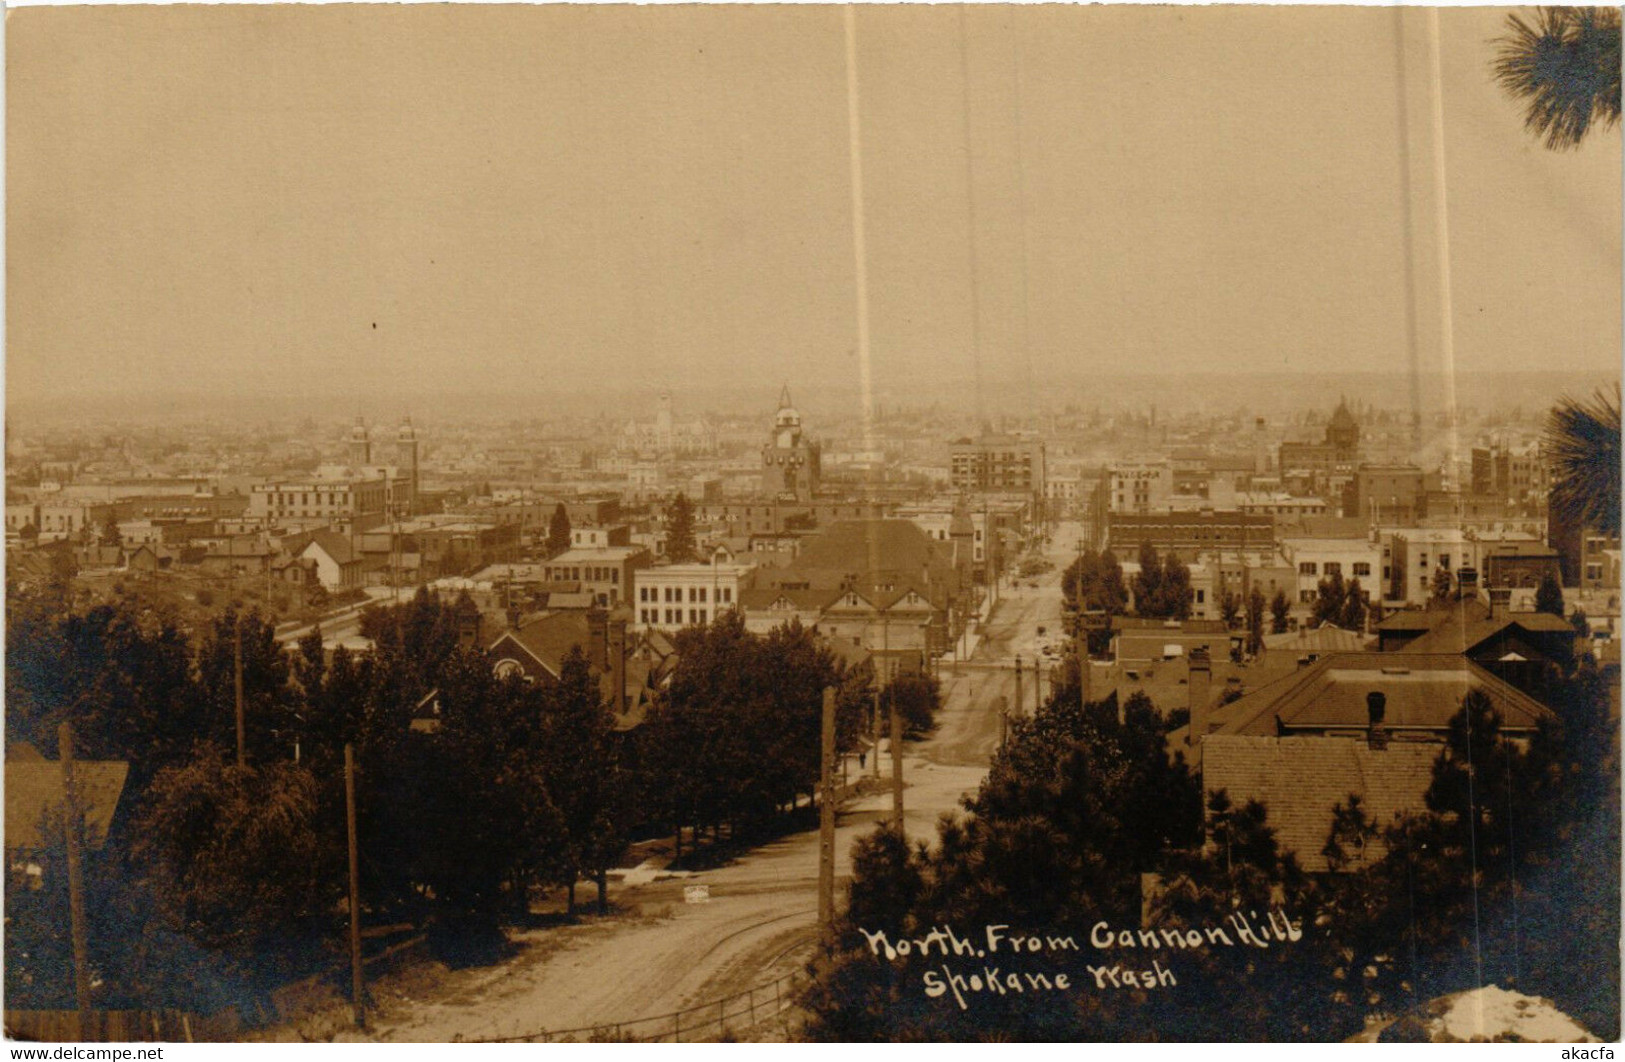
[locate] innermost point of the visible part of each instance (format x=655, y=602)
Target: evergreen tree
x=558, y=532
x=680, y=546
x=1280, y=612
x=1255, y=621
x=1549, y=596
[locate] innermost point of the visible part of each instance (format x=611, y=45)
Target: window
x=1305, y=596
x=702, y=595
x=615, y=575
x=1201, y=596
x=1444, y=560
x=693, y=615
x=1306, y=568
x=1362, y=568
x=1334, y=567
x=1387, y=572
x=1423, y=563
x=1593, y=571
x=727, y=594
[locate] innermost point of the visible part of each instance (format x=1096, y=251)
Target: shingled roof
x=1424, y=690
x=1300, y=779
x=34, y=789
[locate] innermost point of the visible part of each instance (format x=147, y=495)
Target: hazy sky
x=322, y=200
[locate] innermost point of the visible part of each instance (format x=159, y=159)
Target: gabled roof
x=34, y=788
x=1326, y=638
x=765, y=598
x=1300, y=779
x=1462, y=632
x=333, y=544
x=1424, y=690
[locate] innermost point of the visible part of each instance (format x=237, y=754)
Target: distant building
x=1339, y=452
x=666, y=437
x=999, y=464
x=1188, y=533
x=673, y=596
x=605, y=572
x=1139, y=488
x=790, y=462
x=1387, y=495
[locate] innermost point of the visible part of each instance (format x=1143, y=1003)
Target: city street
x=760, y=918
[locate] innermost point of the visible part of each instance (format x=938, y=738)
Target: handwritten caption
x=998, y=955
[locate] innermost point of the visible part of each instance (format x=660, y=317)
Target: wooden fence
x=731, y=1015
x=111, y=1026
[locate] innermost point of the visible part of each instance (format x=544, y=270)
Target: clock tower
x=790, y=464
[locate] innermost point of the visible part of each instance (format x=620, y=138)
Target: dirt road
x=760, y=918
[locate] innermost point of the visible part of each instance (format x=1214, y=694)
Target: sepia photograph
x=809, y=523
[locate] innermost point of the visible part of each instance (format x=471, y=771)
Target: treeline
x=1509, y=875
x=216, y=881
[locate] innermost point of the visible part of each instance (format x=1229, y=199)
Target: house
x=1370, y=725
x=338, y=563
x=535, y=651
x=35, y=792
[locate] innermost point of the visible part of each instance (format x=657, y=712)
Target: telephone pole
x=237, y=683
x=826, y=815
x=357, y=986
x=897, y=766
x=74, y=821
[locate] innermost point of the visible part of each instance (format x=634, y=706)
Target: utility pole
x=1038, y=685
x=875, y=721
x=237, y=683
x=73, y=825
x=826, y=816
x=897, y=766
x=357, y=986
x=1018, y=684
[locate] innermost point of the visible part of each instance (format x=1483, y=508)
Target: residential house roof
x=34, y=788
x=1424, y=690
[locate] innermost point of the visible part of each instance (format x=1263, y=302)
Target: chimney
x=1376, y=706
x=1201, y=679
x=617, y=664
x=597, y=646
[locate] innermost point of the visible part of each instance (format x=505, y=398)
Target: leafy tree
x=1582, y=440
x=1280, y=612
x=1352, y=615
x=1566, y=65
x=558, y=532
x=1163, y=586
x=1255, y=621
x=1581, y=624
x=680, y=545
x=121, y=676
x=1331, y=593
x=239, y=860
x=918, y=697
x=1549, y=596
x=1442, y=586
x=268, y=700
x=581, y=773
x=1230, y=608
x=111, y=536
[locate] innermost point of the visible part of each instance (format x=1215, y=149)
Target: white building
x=673, y=596
x=1319, y=558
